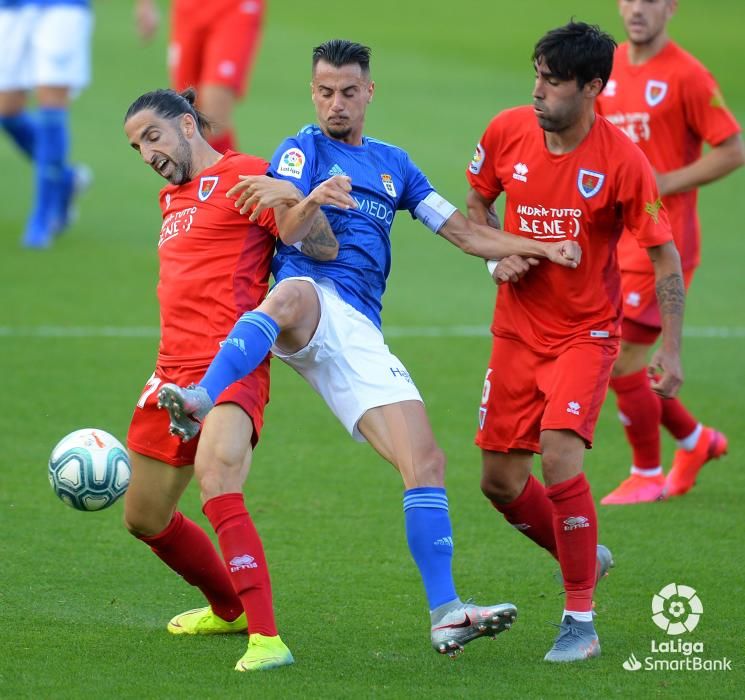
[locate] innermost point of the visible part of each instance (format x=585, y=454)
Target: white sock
x=657, y=471
x=689, y=443
x=579, y=616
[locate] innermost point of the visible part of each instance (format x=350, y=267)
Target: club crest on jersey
x=207, y=187
x=478, y=160
x=291, y=163
x=589, y=182
x=387, y=181
x=655, y=92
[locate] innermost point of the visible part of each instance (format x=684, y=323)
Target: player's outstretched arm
x=255, y=193
x=493, y=244
x=665, y=368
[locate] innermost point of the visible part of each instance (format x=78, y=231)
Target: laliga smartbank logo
x=676, y=610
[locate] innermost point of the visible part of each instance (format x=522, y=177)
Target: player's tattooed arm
x=320, y=243
x=671, y=295
x=665, y=369
x=301, y=220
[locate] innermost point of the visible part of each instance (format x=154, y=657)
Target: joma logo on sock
x=575, y=522
x=245, y=561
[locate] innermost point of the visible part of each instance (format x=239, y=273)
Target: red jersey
x=588, y=195
x=214, y=263
x=201, y=12
x=669, y=106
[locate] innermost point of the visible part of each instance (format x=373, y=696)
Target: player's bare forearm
x=493, y=244
x=670, y=291
x=718, y=162
x=320, y=243
x=665, y=368
x=296, y=222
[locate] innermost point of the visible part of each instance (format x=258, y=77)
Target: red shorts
x=215, y=48
x=148, y=432
x=641, y=316
x=525, y=393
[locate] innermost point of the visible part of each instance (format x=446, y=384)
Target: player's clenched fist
x=512, y=268
x=255, y=193
x=335, y=191
x=566, y=253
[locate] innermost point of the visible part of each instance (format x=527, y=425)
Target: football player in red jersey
x=214, y=266
x=212, y=47
x=567, y=174
x=669, y=105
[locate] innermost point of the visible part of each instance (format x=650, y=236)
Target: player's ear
x=188, y=125
x=370, y=91
x=594, y=87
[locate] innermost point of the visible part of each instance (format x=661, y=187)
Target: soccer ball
x=89, y=469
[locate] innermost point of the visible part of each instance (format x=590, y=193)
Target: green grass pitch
x=83, y=606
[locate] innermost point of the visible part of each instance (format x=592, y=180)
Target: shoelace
x=565, y=637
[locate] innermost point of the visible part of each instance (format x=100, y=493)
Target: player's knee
x=498, y=488
x=288, y=303
x=631, y=359
x=145, y=524
x=558, y=465
x=217, y=473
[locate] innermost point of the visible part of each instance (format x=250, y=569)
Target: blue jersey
x=43, y=3
x=384, y=180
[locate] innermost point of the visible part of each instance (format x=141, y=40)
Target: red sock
x=224, y=141
x=531, y=514
x=676, y=418
x=640, y=410
x=576, y=531
x=244, y=556
x=188, y=550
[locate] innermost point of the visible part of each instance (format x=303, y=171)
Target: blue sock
x=430, y=539
x=51, y=173
x=242, y=352
x=22, y=130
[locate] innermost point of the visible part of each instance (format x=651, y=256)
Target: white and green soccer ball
x=89, y=469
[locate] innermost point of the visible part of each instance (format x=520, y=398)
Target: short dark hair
x=340, y=52
x=577, y=51
x=170, y=104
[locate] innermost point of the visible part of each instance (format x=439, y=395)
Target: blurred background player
x=45, y=49
x=212, y=47
x=669, y=105
x=323, y=319
x=566, y=174
x=214, y=265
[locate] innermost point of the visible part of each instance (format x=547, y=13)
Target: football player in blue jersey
x=323, y=319
x=45, y=48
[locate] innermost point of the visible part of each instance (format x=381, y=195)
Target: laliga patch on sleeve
x=433, y=211
x=291, y=163
x=478, y=160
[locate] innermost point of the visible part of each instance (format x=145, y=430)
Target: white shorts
x=45, y=46
x=348, y=363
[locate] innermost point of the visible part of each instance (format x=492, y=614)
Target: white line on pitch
x=722, y=332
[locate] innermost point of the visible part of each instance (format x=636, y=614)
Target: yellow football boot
x=264, y=653
x=204, y=621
